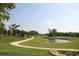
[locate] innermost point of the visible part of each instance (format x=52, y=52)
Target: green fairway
x=8, y=50
x=42, y=42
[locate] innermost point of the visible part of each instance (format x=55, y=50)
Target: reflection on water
x=58, y=41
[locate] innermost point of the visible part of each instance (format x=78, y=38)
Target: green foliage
x=2, y=27
x=4, y=13
x=14, y=26
x=13, y=29
x=4, y=10
x=52, y=32
x=33, y=33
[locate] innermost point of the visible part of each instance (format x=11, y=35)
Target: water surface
x=59, y=41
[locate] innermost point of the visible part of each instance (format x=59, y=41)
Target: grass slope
x=8, y=50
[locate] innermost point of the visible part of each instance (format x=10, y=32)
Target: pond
x=59, y=41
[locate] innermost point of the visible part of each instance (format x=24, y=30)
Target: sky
x=41, y=16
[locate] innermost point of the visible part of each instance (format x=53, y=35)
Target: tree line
x=13, y=30
x=53, y=32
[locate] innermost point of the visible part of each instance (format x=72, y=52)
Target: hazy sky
x=40, y=17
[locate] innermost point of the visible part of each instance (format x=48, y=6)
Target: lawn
x=8, y=50
x=42, y=42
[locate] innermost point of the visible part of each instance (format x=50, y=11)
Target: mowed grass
x=42, y=42
x=8, y=50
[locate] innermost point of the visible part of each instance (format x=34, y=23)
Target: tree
x=13, y=29
x=14, y=26
x=5, y=32
x=33, y=32
x=4, y=13
x=9, y=32
x=52, y=32
x=2, y=28
x=4, y=10
x=22, y=33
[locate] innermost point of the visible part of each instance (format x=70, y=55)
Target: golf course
x=41, y=44
x=39, y=29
